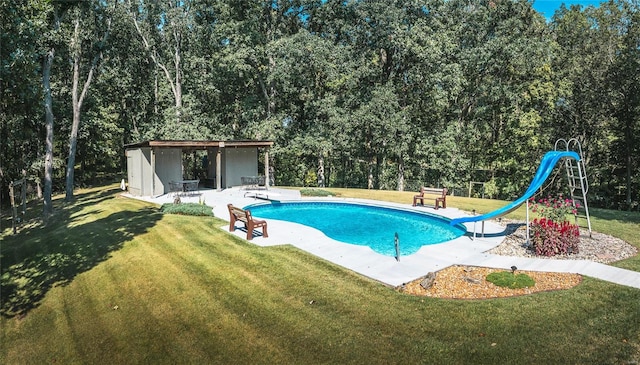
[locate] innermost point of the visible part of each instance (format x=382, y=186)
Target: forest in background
x=367, y=94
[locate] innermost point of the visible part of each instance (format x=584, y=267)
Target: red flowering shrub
x=552, y=238
x=555, y=209
x=552, y=233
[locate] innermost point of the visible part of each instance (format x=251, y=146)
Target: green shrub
x=491, y=188
x=187, y=209
x=510, y=280
x=315, y=192
x=310, y=178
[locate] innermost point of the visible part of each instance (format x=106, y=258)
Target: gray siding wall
x=168, y=168
x=211, y=166
x=134, y=177
x=144, y=180
x=145, y=172
x=240, y=162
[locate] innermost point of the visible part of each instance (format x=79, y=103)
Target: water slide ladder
x=577, y=177
x=568, y=151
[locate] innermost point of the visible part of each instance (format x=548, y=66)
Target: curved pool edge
x=366, y=262
x=302, y=212
x=440, y=213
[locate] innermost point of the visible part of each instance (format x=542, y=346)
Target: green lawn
x=113, y=280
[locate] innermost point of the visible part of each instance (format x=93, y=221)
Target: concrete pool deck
x=363, y=260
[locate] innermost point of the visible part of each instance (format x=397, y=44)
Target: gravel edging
x=599, y=247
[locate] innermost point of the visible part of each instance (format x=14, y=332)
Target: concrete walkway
x=464, y=250
x=583, y=267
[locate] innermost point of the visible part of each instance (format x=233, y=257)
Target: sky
x=548, y=7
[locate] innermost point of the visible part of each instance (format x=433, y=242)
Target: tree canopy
x=370, y=94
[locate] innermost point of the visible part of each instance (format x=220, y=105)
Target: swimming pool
x=365, y=225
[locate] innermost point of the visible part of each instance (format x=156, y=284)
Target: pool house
x=155, y=166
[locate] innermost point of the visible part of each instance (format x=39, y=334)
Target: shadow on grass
x=40, y=258
x=615, y=215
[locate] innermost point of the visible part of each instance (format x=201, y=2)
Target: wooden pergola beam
x=199, y=145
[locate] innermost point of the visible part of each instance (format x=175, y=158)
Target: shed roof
x=194, y=144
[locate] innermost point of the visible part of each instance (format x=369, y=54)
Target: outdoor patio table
x=184, y=186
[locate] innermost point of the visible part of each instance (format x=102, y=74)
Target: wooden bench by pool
x=440, y=196
x=237, y=214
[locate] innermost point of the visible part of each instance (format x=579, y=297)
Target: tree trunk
x=178, y=73
x=321, y=178
x=156, y=93
x=370, y=177
x=629, y=158
x=271, y=106
x=175, y=81
x=77, y=101
x=73, y=146
x=400, y=174
x=268, y=93
x=48, y=112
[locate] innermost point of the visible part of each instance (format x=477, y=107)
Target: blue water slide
x=548, y=162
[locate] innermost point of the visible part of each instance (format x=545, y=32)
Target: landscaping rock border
x=599, y=247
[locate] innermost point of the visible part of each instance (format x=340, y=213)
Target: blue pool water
x=365, y=225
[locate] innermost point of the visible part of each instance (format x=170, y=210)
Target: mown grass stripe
x=190, y=293
x=213, y=315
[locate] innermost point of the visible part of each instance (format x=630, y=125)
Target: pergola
x=152, y=164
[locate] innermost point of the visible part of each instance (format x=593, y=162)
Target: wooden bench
x=440, y=196
x=237, y=214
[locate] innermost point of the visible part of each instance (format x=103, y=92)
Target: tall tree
x=502, y=46
x=91, y=27
x=306, y=68
x=162, y=28
x=597, y=66
x=54, y=14
x=624, y=92
x=21, y=53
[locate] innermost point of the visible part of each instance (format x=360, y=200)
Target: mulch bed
x=468, y=282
